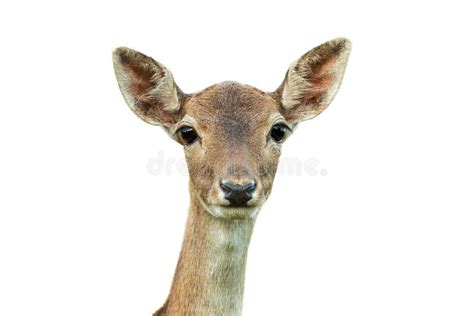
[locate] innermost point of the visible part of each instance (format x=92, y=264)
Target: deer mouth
x=234, y=212
x=225, y=210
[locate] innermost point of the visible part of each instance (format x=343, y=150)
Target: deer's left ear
x=313, y=80
x=148, y=87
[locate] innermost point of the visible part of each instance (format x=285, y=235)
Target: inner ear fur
x=148, y=87
x=313, y=80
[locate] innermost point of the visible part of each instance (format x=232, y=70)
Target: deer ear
x=148, y=87
x=313, y=80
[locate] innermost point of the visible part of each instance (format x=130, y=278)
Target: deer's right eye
x=188, y=134
x=279, y=132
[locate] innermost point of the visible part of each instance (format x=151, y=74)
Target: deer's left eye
x=279, y=132
x=188, y=135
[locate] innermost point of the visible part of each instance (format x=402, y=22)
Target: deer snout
x=238, y=194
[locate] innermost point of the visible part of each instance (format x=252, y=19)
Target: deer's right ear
x=148, y=87
x=313, y=80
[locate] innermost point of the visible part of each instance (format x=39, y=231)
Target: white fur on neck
x=227, y=270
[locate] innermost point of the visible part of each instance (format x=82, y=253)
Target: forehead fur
x=231, y=108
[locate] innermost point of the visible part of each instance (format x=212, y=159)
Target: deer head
x=232, y=133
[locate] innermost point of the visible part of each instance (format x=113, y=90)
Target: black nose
x=238, y=194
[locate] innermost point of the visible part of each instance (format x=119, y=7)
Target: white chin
x=233, y=212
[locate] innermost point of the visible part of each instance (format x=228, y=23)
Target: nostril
x=224, y=187
x=250, y=187
x=238, y=194
x=227, y=186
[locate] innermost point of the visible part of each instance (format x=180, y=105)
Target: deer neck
x=209, y=278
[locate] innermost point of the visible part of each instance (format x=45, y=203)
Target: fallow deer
x=232, y=136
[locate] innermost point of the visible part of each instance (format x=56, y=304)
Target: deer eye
x=188, y=134
x=279, y=132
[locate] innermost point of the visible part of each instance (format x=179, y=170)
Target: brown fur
x=234, y=123
x=210, y=273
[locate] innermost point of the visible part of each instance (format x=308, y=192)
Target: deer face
x=231, y=154
x=232, y=133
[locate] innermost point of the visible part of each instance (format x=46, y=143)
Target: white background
x=86, y=228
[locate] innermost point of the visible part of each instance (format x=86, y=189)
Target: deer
x=232, y=135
